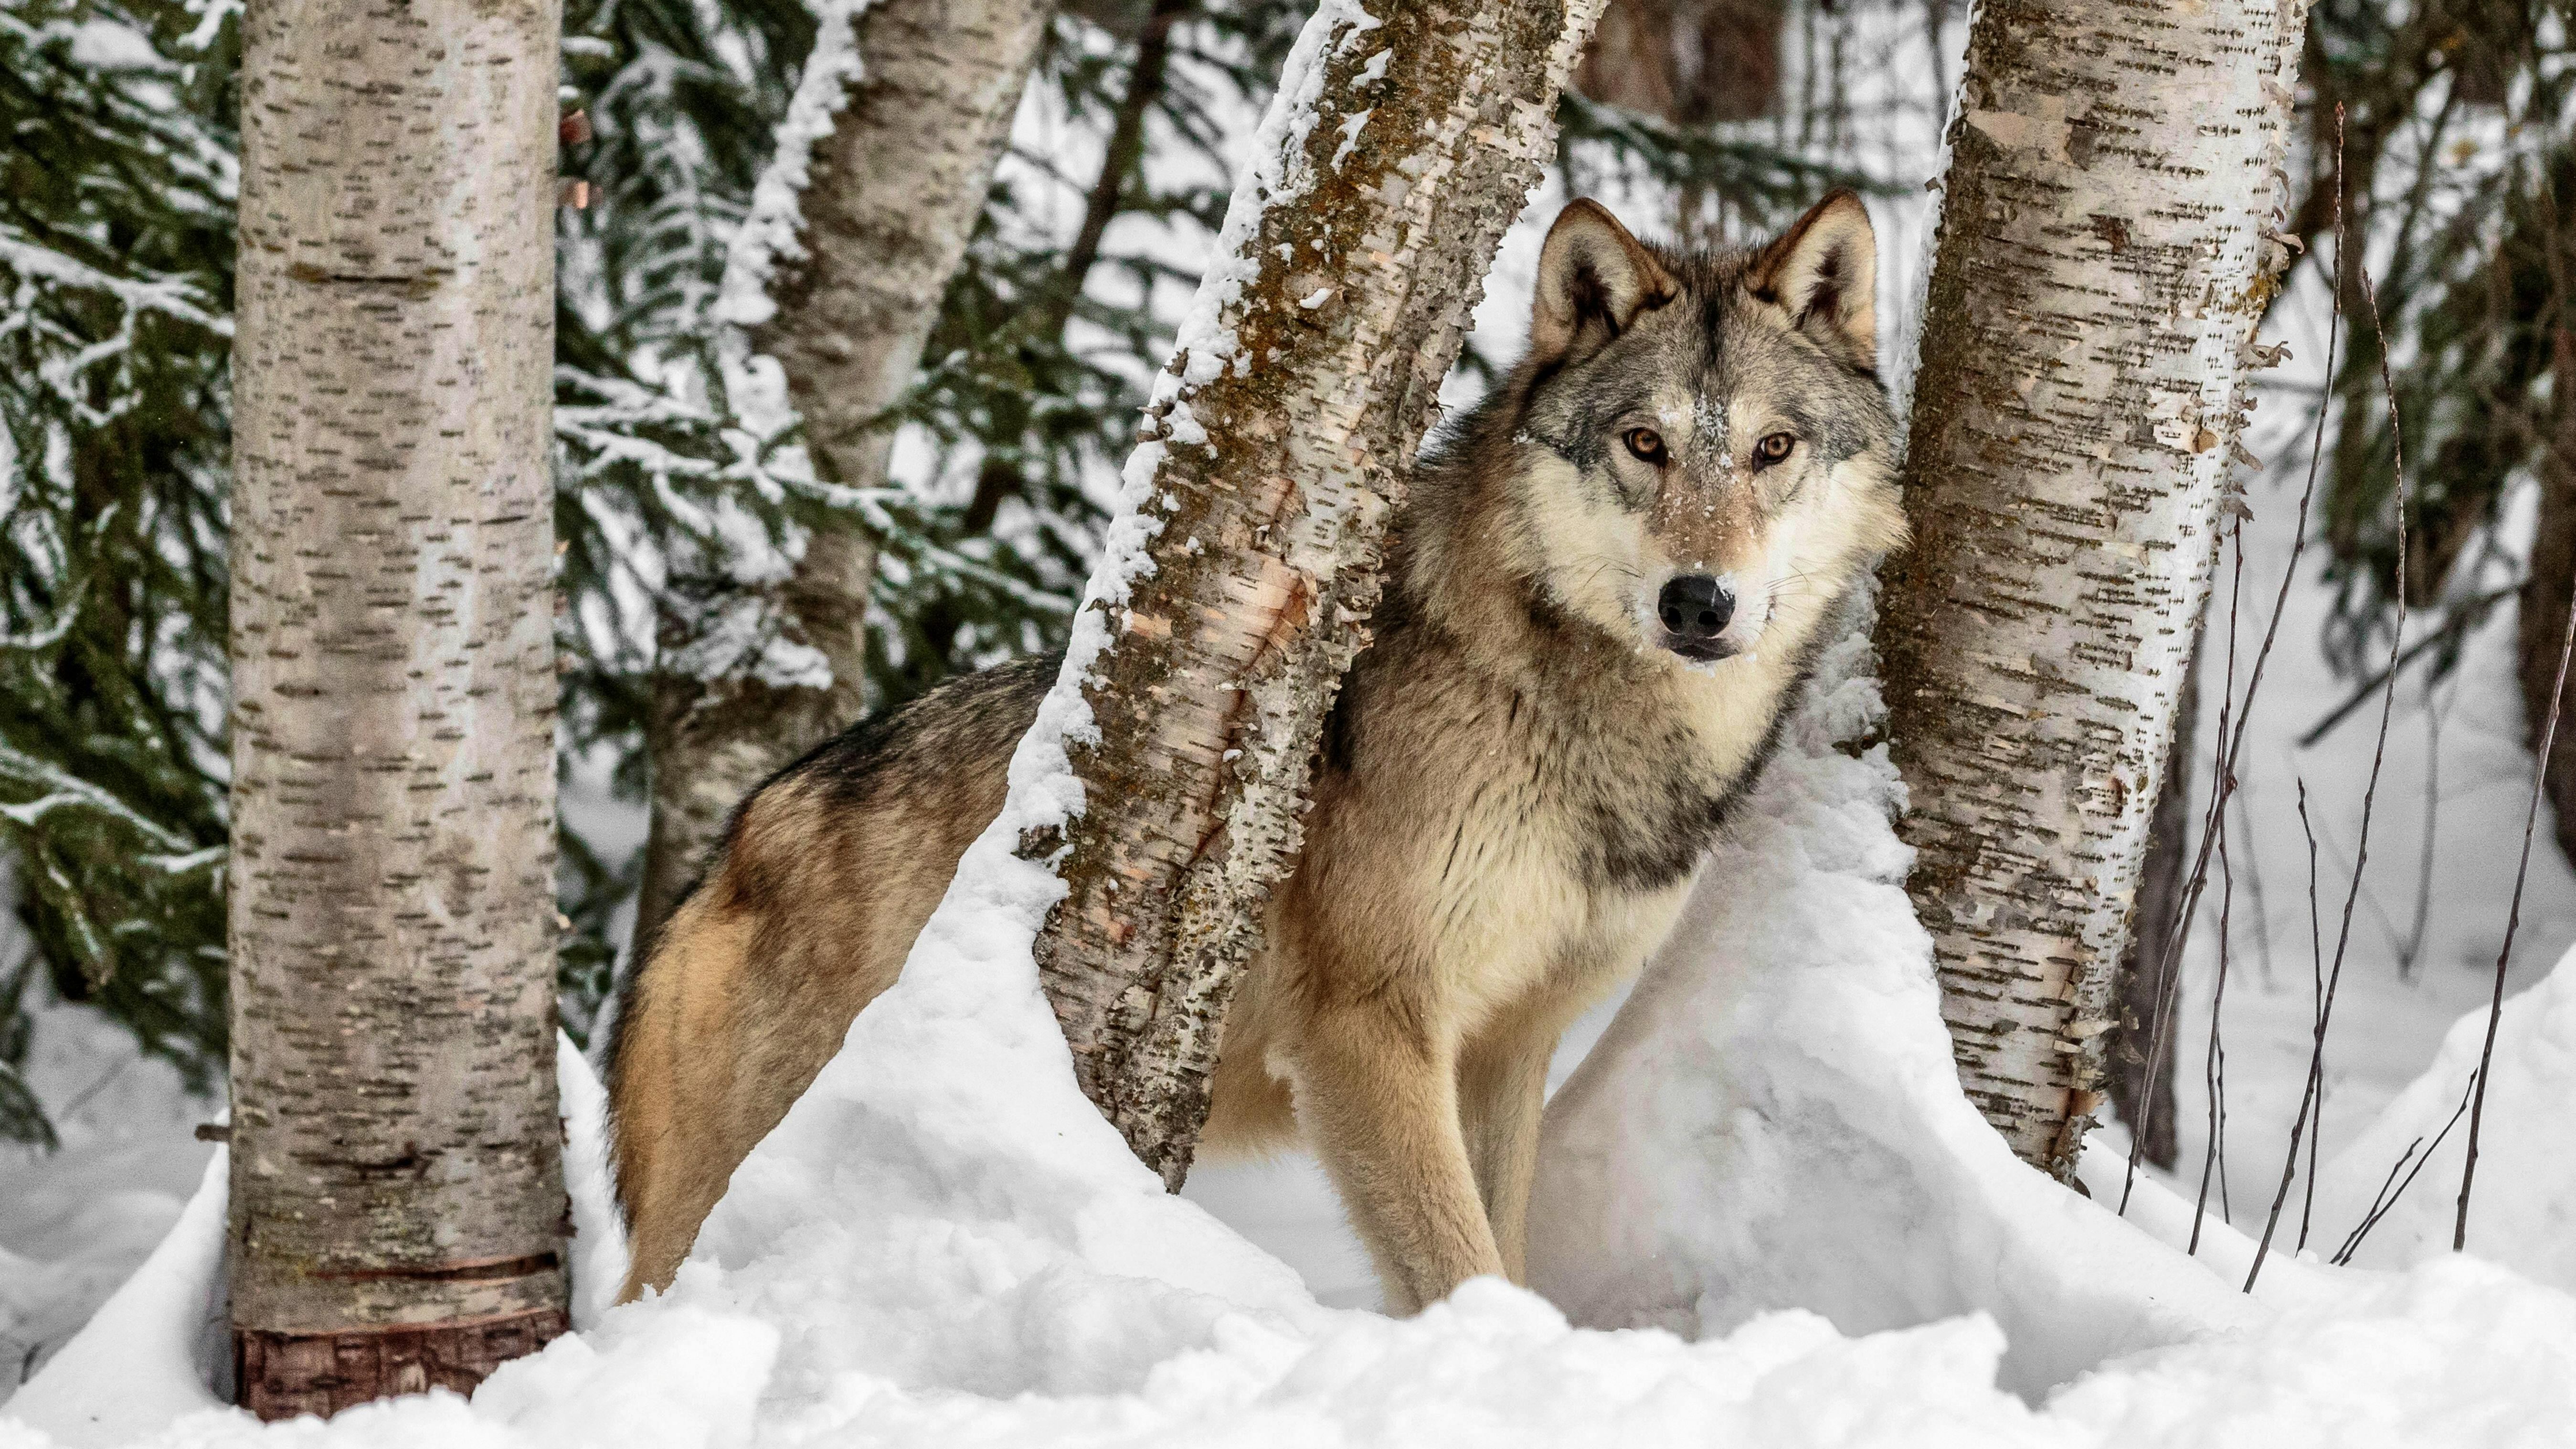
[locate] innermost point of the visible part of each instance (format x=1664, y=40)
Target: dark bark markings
x=2105, y=252
x=397, y=1206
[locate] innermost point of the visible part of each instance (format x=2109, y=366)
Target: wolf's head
x=1699, y=442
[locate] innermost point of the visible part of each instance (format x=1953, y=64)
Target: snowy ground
x=74, y=1223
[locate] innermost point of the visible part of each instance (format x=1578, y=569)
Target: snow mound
x=2522, y=1211
x=150, y=1354
x=2456, y=1352
x=155, y=1351
x=1774, y=1120
x=77, y=1220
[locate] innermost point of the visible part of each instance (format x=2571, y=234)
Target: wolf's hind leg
x=1381, y=1107
x=665, y=1228
x=676, y=1056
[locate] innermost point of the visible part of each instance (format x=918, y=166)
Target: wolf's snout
x=1694, y=609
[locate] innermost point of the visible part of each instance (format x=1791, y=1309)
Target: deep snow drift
x=1774, y=1120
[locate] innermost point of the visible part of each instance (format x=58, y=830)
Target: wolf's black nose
x=1695, y=607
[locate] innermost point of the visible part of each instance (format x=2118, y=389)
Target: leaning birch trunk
x=917, y=96
x=1404, y=140
x=397, y=1209
x=2107, y=245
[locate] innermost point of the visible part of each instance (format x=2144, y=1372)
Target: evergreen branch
x=62, y=791
x=171, y=297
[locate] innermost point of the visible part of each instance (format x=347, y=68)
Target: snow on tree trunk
x=832, y=286
x=2105, y=252
x=397, y=1209
x=1403, y=140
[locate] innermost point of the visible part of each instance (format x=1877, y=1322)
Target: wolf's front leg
x=1502, y=1090
x=1380, y=1105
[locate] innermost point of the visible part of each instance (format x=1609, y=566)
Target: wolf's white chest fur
x=1522, y=920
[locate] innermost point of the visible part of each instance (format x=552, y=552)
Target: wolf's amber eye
x=1775, y=447
x=1648, y=444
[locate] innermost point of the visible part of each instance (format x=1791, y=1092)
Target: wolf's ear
x=1824, y=273
x=1593, y=280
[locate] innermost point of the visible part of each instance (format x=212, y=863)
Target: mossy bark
x=397, y=1208
x=1275, y=468
x=2106, y=248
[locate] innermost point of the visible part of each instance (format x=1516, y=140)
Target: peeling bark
x=2105, y=253
x=893, y=197
x=1278, y=444
x=397, y=1206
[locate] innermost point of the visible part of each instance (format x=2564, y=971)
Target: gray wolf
x=1603, y=592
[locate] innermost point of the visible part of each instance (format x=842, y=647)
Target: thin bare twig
x=2317, y=980
x=2369, y=797
x=2512, y=922
x=2307, y=827
x=2408, y=954
x=2562, y=288
x=2384, y=1200
x=2213, y=1082
x=2218, y=1075
x=2214, y=1064
x=2381, y=1200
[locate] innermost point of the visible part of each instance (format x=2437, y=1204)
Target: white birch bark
x=835, y=284
x=397, y=1205
x=1404, y=140
x=2107, y=245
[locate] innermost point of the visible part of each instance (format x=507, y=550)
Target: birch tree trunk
x=1404, y=140
x=1042, y=322
x=2106, y=249
x=2140, y=1057
x=924, y=92
x=397, y=1207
